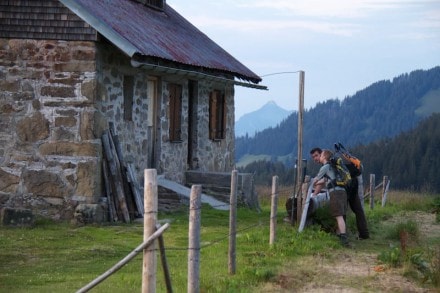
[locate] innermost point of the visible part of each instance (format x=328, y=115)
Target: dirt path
x=352, y=270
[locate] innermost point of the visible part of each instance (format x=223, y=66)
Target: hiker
x=338, y=195
x=353, y=199
x=315, y=153
x=355, y=204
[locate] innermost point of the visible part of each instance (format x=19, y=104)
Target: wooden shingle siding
x=39, y=19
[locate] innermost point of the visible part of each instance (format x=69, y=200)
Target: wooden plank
x=138, y=198
x=305, y=208
x=116, y=174
x=108, y=190
x=119, y=159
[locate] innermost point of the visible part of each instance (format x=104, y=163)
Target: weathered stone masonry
x=56, y=99
x=50, y=155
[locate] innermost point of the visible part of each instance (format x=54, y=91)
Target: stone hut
x=71, y=68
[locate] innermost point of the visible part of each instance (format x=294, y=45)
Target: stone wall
x=57, y=97
x=219, y=155
x=50, y=153
x=214, y=156
x=170, y=158
x=133, y=135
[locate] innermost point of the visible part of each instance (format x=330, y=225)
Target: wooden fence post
x=273, y=210
x=372, y=187
x=194, y=239
x=149, y=267
x=232, y=222
x=361, y=189
x=385, y=185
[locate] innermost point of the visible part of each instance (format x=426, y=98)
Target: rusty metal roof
x=140, y=30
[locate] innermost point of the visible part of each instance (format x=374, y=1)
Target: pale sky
x=342, y=46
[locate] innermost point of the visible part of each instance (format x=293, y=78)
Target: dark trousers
x=356, y=206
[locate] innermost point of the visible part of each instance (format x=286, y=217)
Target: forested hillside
x=382, y=110
x=411, y=160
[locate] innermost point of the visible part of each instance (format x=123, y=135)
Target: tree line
x=411, y=160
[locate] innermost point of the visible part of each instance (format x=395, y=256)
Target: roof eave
x=123, y=44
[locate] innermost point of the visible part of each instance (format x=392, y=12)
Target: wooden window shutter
x=175, y=130
x=217, y=115
x=223, y=117
x=212, y=114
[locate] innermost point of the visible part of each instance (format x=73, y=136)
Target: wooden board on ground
x=306, y=207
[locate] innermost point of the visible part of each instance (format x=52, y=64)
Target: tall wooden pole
x=299, y=166
x=150, y=215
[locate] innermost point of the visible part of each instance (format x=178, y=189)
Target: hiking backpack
x=353, y=164
x=342, y=174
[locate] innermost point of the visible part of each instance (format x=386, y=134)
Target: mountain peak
x=269, y=115
x=270, y=103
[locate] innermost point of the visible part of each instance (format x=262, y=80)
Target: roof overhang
x=194, y=74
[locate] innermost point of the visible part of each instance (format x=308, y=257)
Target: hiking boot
x=363, y=237
x=344, y=240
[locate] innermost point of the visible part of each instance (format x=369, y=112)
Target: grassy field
x=63, y=258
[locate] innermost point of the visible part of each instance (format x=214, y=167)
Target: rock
x=90, y=213
x=16, y=217
x=88, y=178
x=34, y=128
x=8, y=182
x=44, y=183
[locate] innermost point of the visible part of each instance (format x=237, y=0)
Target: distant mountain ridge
x=383, y=109
x=270, y=115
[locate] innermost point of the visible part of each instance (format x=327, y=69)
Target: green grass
x=247, y=159
x=54, y=257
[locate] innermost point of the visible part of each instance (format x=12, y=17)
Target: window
x=217, y=115
x=128, y=88
x=175, y=95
